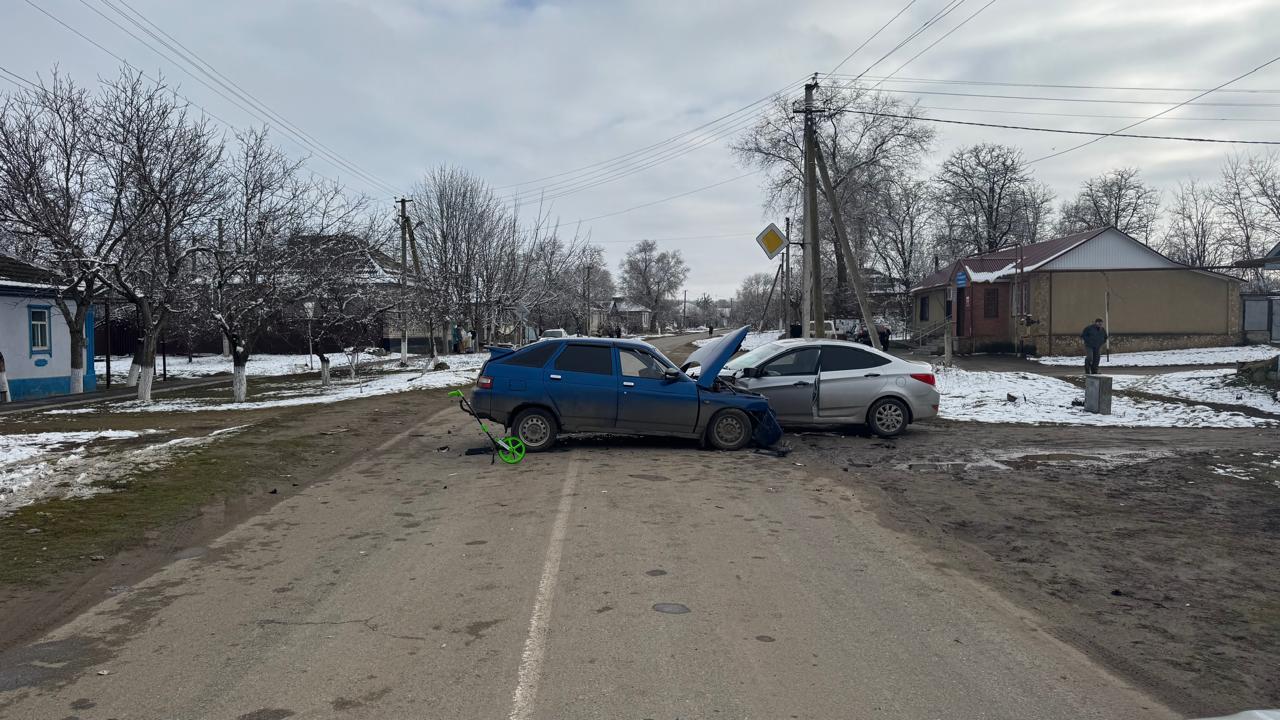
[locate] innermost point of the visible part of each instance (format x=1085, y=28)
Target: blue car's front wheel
x=730, y=429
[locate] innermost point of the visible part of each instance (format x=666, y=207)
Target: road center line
x=535, y=645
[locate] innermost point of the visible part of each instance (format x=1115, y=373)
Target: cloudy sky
x=519, y=90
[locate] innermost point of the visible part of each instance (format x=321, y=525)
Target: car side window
x=836, y=358
x=798, y=362
x=536, y=355
x=594, y=359
x=637, y=363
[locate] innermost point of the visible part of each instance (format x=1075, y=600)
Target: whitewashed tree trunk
x=78, y=349
x=4, y=387
x=324, y=371
x=226, y=347
x=131, y=380
x=239, y=384
x=145, y=376
x=77, y=381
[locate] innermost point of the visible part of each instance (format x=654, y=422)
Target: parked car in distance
x=554, y=333
x=569, y=385
x=830, y=382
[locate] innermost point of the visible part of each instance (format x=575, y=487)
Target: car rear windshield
x=536, y=355
x=837, y=357
x=596, y=359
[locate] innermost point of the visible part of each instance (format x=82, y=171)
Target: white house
x=34, y=342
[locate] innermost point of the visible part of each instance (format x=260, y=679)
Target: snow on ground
x=1157, y=358
x=462, y=370
x=1200, y=385
x=31, y=464
x=982, y=396
x=752, y=341
x=258, y=366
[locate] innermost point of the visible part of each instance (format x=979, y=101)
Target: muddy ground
x=1155, y=551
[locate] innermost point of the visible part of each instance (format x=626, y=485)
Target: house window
x=991, y=303
x=38, y=322
x=924, y=308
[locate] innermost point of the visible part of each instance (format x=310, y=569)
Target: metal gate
x=1275, y=320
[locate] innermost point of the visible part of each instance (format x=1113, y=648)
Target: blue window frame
x=39, y=328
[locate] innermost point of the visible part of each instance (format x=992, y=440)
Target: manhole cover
x=671, y=608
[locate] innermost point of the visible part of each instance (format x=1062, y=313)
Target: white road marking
x=535, y=645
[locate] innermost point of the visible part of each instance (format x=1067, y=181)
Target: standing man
x=1094, y=336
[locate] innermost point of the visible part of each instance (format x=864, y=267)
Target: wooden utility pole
x=404, y=281
x=813, y=250
x=851, y=260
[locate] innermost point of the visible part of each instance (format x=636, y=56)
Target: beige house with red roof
x=1039, y=297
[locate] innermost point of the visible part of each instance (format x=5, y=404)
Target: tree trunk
x=324, y=370
x=239, y=359
x=78, y=347
x=353, y=358
x=147, y=367
x=135, y=367
x=226, y=347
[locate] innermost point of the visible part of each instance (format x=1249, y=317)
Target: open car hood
x=711, y=357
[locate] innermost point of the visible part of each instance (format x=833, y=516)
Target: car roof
x=613, y=342
x=799, y=342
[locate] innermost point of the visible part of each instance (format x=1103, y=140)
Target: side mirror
x=670, y=374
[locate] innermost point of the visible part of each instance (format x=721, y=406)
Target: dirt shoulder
x=1154, y=551
x=87, y=549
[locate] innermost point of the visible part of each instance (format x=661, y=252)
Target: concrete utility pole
x=786, y=280
x=812, y=252
x=588, y=297
x=404, y=281
x=684, y=311
x=851, y=259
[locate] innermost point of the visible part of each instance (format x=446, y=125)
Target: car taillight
x=484, y=382
x=926, y=378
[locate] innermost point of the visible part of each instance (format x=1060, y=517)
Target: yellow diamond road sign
x=771, y=240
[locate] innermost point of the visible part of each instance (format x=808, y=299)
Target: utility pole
x=588, y=298
x=684, y=312
x=404, y=281
x=851, y=259
x=812, y=254
x=786, y=280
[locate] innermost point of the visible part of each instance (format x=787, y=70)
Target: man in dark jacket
x=1094, y=336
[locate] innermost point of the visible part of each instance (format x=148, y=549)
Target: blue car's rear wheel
x=536, y=428
x=730, y=429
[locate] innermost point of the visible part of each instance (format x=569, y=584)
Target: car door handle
x=628, y=383
x=872, y=375
x=800, y=383
x=555, y=377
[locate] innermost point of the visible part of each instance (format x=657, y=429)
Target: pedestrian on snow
x=1094, y=336
x=711, y=330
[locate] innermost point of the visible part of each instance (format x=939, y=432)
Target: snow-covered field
x=259, y=365
x=983, y=396
x=1158, y=358
x=1206, y=385
x=752, y=341
x=35, y=466
x=462, y=370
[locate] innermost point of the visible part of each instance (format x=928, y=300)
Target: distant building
x=630, y=316
x=1040, y=296
x=33, y=335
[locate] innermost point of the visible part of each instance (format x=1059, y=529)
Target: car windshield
x=754, y=357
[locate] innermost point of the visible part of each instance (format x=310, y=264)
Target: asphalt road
x=422, y=583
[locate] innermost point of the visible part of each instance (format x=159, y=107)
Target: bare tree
x=66, y=194
x=1194, y=236
x=753, y=305
x=1117, y=198
x=173, y=163
x=901, y=236
x=651, y=278
x=1242, y=218
x=989, y=197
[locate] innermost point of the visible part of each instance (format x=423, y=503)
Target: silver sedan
x=830, y=382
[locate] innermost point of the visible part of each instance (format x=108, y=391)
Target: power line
x=1100, y=135
x=19, y=81
x=1108, y=101
x=1145, y=88
x=258, y=109
x=931, y=45
x=667, y=199
x=742, y=234
x=631, y=154
x=129, y=65
x=993, y=111
x=192, y=58
x=946, y=10
x=873, y=36
x=1153, y=117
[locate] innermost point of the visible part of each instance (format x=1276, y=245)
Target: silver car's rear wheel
x=888, y=417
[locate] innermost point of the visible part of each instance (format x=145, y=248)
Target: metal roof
x=995, y=265
x=23, y=274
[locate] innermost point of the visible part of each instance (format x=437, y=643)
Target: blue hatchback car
x=572, y=384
